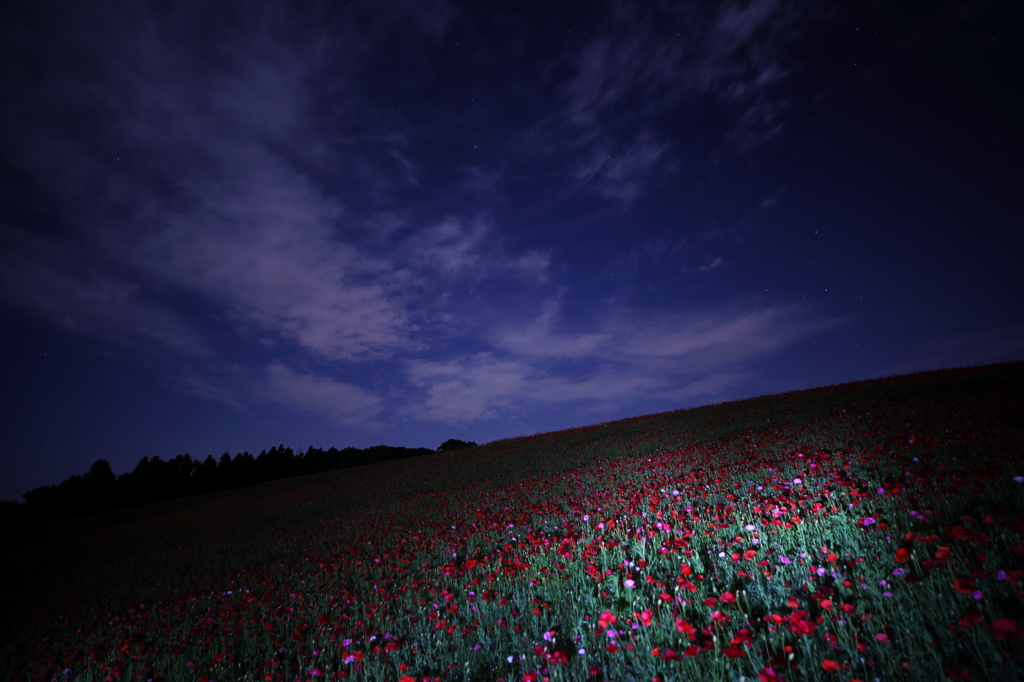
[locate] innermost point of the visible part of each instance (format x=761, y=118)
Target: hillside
x=846, y=524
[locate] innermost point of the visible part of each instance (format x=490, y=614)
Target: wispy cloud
x=624, y=174
x=710, y=264
x=78, y=292
x=626, y=357
x=650, y=59
x=252, y=175
x=455, y=249
x=343, y=403
x=220, y=162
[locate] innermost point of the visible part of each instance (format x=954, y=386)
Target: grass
x=867, y=531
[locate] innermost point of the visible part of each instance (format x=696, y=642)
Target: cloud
x=623, y=175
x=710, y=264
x=455, y=249
x=263, y=246
x=343, y=403
x=74, y=290
x=244, y=177
x=627, y=357
x=772, y=200
x=650, y=59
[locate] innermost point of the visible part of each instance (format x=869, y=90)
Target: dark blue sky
x=227, y=226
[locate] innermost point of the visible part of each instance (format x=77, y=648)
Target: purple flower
x=785, y=560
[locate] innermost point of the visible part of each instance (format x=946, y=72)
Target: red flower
x=732, y=652
x=686, y=628
x=728, y=598
x=558, y=658
x=830, y=665
x=902, y=554
x=1005, y=628
x=970, y=618
x=768, y=675
x=964, y=585
x=607, y=618
x=406, y=678
x=958, y=674
x=750, y=554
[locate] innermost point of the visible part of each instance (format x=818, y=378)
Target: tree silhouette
x=155, y=479
x=453, y=444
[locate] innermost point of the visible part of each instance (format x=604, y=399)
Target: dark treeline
x=155, y=479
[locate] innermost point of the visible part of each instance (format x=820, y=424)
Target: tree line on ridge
x=155, y=480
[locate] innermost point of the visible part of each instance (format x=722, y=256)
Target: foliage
x=453, y=444
x=155, y=479
x=870, y=531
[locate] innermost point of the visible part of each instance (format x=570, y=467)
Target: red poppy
x=902, y=554
x=768, y=675
x=1005, y=628
x=830, y=665
x=686, y=628
x=964, y=585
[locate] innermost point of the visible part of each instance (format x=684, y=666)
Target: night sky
x=229, y=226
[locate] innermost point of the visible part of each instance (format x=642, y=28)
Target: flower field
x=868, y=531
